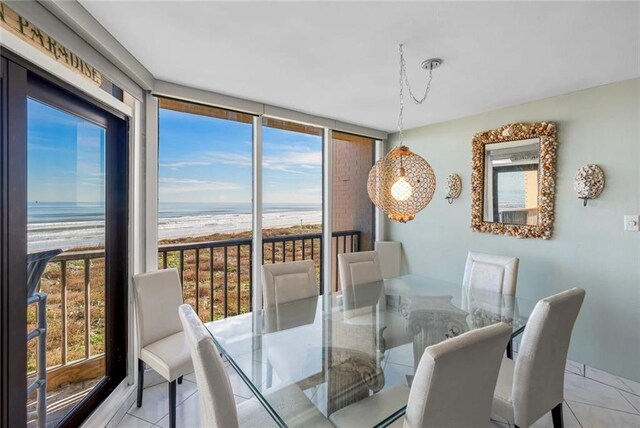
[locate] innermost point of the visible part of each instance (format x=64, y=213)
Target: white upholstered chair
x=452, y=387
x=286, y=282
x=161, y=339
x=494, y=273
x=390, y=257
x=283, y=283
x=217, y=405
x=491, y=272
x=533, y=384
x=356, y=269
x=361, y=268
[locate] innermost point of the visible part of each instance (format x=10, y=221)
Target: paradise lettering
x=19, y=25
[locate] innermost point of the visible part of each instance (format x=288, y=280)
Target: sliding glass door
x=72, y=238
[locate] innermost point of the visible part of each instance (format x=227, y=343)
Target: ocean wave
x=82, y=234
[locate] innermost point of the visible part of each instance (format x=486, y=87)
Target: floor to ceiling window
x=292, y=192
x=204, y=204
x=205, y=179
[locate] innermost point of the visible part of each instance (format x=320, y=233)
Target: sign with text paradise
x=18, y=25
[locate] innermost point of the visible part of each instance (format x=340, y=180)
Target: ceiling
x=340, y=59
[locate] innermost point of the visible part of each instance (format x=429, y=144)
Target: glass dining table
x=307, y=359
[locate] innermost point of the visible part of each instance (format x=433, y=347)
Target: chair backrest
x=286, y=282
x=491, y=272
x=390, y=256
x=157, y=296
x=538, y=381
x=455, y=380
x=356, y=269
x=217, y=406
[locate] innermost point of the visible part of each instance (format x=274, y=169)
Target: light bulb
x=401, y=189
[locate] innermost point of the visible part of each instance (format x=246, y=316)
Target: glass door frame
x=21, y=80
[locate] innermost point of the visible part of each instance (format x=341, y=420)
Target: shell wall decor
x=589, y=182
x=453, y=187
x=546, y=132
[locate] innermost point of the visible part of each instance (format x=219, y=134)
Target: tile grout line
x=627, y=385
x=606, y=408
x=573, y=413
x=137, y=417
x=610, y=386
x=623, y=396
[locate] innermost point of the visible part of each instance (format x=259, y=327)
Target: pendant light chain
x=404, y=80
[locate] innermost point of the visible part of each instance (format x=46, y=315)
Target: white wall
x=589, y=248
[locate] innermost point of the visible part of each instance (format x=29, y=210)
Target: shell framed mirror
x=513, y=180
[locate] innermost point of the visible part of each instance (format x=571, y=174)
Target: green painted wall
x=589, y=248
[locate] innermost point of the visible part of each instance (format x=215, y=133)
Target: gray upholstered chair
x=452, y=387
x=390, y=257
x=491, y=272
x=161, y=339
x=286, y=282
x=533, y=384
x=217, y=405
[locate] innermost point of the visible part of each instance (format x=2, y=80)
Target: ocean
x=69, y=225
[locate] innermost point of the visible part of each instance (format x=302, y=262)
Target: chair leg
x=172, y=404
x=510, y=349
x=556, y=416
x=180, y=380
x=140, y=381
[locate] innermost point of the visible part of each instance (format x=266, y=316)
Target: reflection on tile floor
x=597, y=400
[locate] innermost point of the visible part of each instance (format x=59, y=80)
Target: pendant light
x=402, y=183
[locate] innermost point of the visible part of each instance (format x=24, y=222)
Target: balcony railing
x=216, y=279
x=216, y=276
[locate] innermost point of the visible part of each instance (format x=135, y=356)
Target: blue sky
x=65, y=157
x=201, y=159
x=205, y=159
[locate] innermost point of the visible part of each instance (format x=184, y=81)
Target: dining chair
x=390, y=256
x=356, y=269
x=452, y=387
x=286, y=282
x=215, y=395
x=494, y=273
x=533, y=384
x=491, y=272
x=161, y=339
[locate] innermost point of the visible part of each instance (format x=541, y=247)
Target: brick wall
x=352, y=208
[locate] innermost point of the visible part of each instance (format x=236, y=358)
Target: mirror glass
x=511, y=171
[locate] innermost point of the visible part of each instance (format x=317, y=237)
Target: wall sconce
x=453, y=187
x=589, y=182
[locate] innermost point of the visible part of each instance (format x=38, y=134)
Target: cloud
x=293, y=161
x=170, y=185
x=290, y=161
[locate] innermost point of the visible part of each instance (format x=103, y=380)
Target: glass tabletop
x=307, y=359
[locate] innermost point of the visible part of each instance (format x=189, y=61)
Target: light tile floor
x=594, y=399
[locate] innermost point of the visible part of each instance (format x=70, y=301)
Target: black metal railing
x=216, y=275
x=210, y=271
